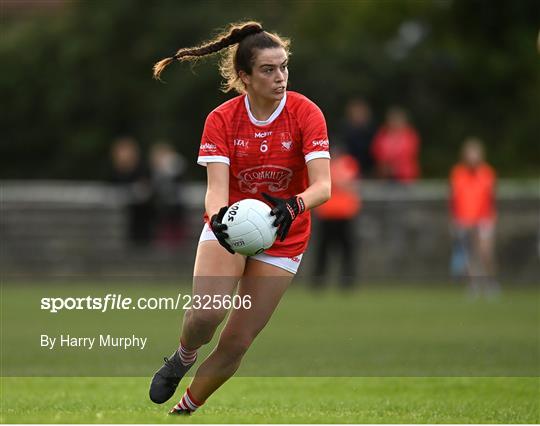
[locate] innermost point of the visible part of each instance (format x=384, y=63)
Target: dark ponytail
x=240, y=40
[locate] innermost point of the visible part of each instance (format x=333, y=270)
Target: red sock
x=188, y=403
x=187, y=356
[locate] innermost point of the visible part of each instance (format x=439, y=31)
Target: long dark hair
x=240, y=41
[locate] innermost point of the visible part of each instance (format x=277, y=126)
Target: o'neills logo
x=276, y=177
x=208, y=146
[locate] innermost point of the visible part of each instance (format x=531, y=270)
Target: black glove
x=219, y=229
x=285, y=210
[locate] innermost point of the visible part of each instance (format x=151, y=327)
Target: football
x=249, y=225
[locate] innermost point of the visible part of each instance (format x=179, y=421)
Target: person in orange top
x=396, y=147
x=336, y=232
x=472, y=206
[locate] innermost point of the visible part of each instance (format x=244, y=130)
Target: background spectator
x=472, y=183
x=167, y=167
x=396, y=148
x=131, y=175
x=357, y=133
x=337, y=237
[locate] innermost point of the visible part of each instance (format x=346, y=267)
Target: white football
x=249, y=226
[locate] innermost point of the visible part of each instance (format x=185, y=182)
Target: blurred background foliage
x=76, y=75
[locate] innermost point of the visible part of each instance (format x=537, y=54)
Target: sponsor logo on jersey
x=323, y=143
x=263, y=134
x=241, y=143
x=209, y=147
x=277, y=178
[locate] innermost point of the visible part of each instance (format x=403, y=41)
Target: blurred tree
x=73, y=80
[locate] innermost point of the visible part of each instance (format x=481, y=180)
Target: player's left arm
x=319, y=189
x=286, y=210
x=315, y=149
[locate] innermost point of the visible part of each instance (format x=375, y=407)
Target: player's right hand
x=219, y=229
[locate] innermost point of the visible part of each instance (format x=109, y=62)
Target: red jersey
x=268, y=156
x=396, y=151
x=473, y=193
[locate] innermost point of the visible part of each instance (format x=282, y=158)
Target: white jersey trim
x=317, y=154
x=203, y=160
x=270, y=119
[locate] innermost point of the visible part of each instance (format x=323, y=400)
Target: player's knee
x=204, y=319
x=235, y=345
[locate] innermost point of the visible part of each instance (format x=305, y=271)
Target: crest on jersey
x=277, y=178
x=286, y=141
x=286, y=145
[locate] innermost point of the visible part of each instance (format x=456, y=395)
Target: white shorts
x=290, y=264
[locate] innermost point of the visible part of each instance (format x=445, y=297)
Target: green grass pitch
x=279, y=400
x=389, y=354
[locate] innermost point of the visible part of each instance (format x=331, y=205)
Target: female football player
x=270, y=144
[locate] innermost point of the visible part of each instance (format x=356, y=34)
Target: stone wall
x=74, y=229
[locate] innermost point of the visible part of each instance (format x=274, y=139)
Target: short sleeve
x=213, y=148
x=314, y=134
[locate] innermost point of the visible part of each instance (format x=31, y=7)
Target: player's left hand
x=285, y=210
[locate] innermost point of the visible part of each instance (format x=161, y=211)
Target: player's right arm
x=214, y=154
x=216, y=201
x=217, y=189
